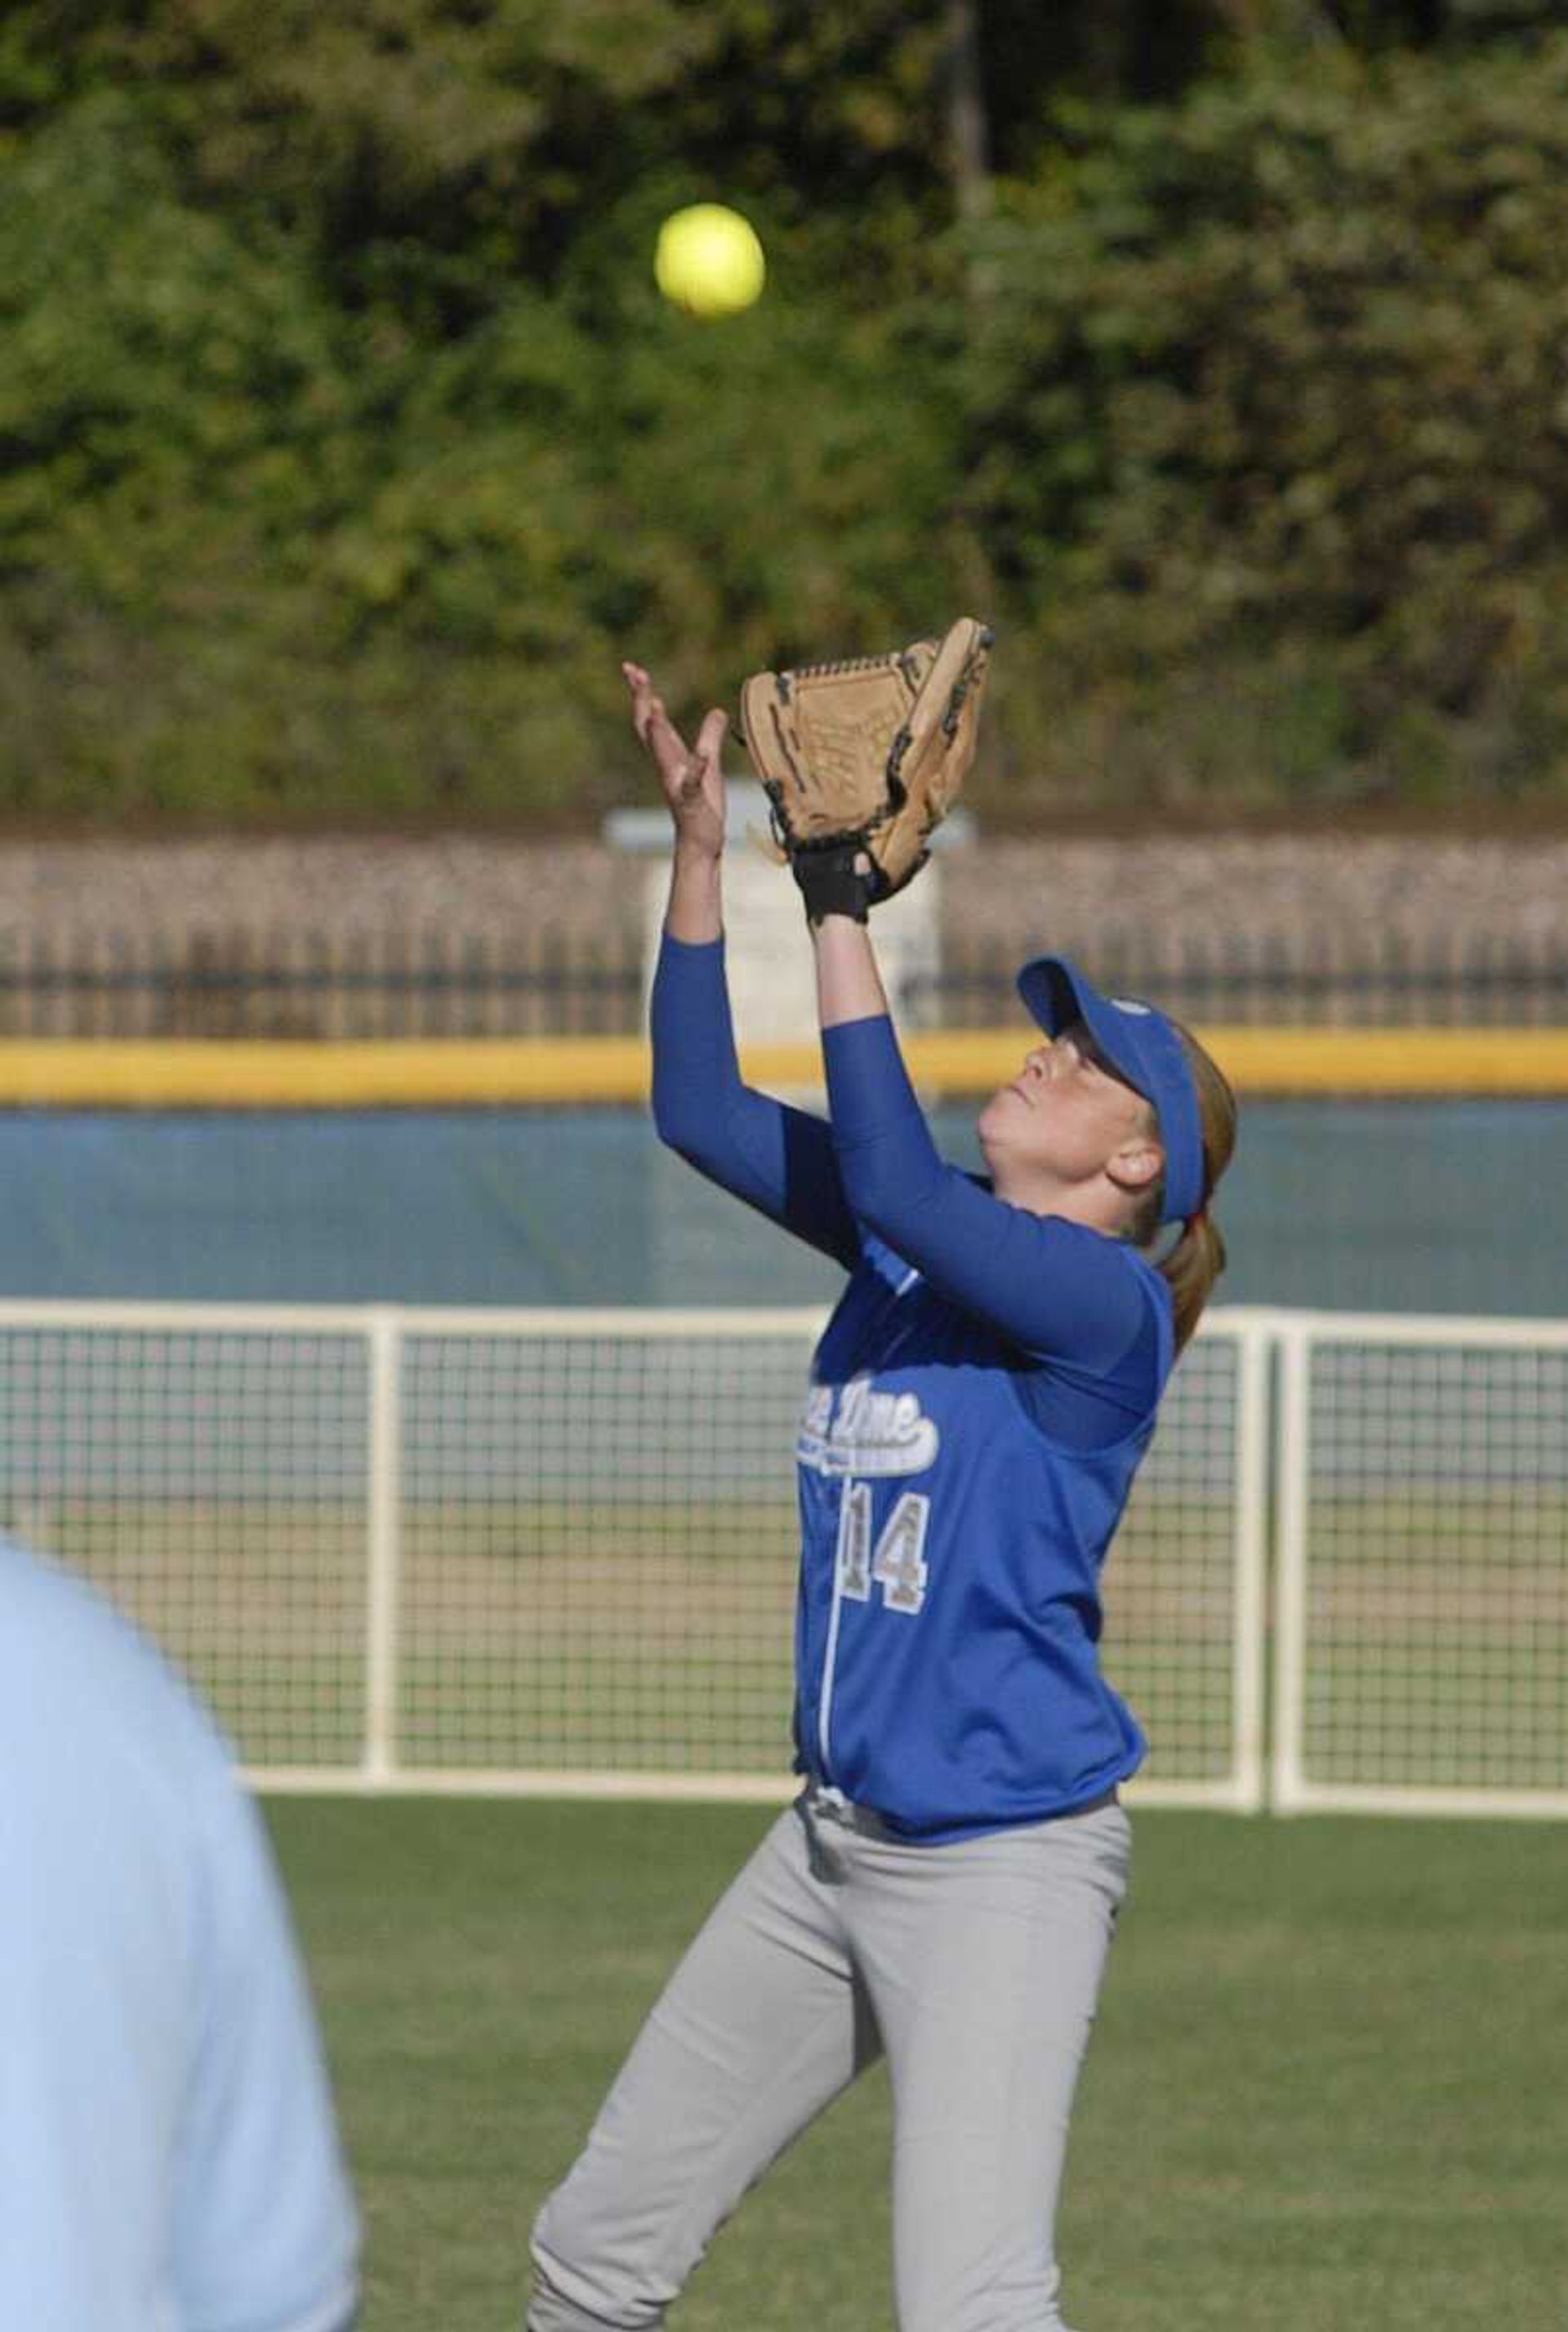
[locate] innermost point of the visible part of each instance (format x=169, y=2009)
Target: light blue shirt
x=170, y=2159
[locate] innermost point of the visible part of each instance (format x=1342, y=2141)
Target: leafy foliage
x=345, y=446
x=1267, y=395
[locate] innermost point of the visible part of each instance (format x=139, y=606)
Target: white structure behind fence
x=529, y=1552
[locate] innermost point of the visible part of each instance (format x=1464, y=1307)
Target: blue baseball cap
x=1143, y=1046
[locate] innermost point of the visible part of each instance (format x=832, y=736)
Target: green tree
x=1266, y=416
x=345, y=446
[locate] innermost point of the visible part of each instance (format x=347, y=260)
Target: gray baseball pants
x=975, y=1966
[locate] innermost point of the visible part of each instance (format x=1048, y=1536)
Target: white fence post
x=1292, y=1456
x=383, y=1546
x=1254, y=1362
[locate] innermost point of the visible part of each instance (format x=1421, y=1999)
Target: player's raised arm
x=779, y=1160
x=1115, y=1130
x=1032, y=1276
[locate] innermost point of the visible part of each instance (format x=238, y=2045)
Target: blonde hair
x=1198, y=1257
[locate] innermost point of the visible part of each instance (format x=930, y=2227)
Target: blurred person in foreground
x=170, y=2159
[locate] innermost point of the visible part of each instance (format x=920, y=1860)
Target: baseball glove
x=863, y=759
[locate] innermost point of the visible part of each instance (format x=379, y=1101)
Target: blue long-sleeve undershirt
x=779, y=1160
x=1058, y=1289
x=1054, y=1287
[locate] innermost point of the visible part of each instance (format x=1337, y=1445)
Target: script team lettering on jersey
x=853, y=1429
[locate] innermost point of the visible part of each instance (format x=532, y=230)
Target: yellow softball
x=707, y=261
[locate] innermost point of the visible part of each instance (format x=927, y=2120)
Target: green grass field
x=1328, y=2092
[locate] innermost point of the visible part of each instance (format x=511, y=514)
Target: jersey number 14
x=898, y=1564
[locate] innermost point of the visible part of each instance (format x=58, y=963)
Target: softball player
x=168, y=2156
x=945, y=1888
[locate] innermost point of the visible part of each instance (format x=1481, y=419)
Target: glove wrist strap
x=830, y=881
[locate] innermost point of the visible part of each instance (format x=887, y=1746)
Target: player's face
x=1068, y=1118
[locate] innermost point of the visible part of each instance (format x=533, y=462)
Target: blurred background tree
x=1213, y=346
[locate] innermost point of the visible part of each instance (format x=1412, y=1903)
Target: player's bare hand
x=691, y=777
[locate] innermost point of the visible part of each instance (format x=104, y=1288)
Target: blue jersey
x=168, y=2156
x=979, y=1405
x=950, y=1556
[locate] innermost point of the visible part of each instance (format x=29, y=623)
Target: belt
x=825, y=1803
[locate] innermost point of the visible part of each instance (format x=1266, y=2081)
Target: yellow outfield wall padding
x=91, y=1074
x=477, y=1072
x=1449, y=1062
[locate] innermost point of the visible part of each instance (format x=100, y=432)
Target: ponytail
x=1190, y=1270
